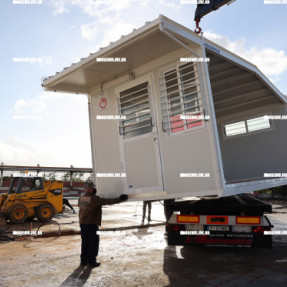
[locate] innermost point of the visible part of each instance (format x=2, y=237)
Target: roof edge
x=124, y=40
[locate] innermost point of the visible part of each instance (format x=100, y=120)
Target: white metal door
x=139, y=133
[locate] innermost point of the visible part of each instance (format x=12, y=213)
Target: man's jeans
x=90, y=243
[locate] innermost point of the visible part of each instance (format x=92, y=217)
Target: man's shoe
x=95, y=264
x=83, y=263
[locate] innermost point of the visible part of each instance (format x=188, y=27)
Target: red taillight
x=258, y=229
x=175, y=227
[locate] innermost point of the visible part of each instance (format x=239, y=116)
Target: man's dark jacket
x=91, y=208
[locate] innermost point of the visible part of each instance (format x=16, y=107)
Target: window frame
x=245, y=119
x=166, y=111
x=149, y=88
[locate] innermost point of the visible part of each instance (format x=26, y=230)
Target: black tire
x=45, y=212
x=168, y=211
x=18, y=213
x=31, y=218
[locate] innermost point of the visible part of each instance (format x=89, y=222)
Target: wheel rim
x=19, y=213
x=46, y=212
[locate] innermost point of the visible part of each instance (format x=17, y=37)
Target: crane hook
x=197, y=29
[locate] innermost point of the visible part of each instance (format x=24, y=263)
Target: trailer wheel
x=18, y=213
x=45, y=212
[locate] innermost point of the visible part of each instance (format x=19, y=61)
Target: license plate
x=218, y=228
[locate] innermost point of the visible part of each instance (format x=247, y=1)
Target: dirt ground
x=139, y=256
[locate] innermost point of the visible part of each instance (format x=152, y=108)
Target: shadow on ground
x=213, y=266
x=78, y=277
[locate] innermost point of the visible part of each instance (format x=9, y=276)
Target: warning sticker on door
x=103, y=101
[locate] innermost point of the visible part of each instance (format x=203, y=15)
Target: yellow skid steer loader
x=30, y=197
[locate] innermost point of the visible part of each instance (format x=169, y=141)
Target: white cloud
x=43, y=106
x=103, y=8
x=275, y=80
x=60, y=6
x=29, y=109
x=19, y=152
x=108, y=14
x=48, y=60
x=110, y=30
x=60, y=139
x=270, y=61
x=38, y=104
x=89, y=31
x=95, y=8
x=113, y=18
x=21, y=104
x=113, y=33
x=100, y=8
x=170, y=4
x=26, y=117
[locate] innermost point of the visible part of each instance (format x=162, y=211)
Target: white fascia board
x=162, y=195
x=240, y=61
x=250, y=186
x=103, y=52
x=217, y=156
x=92, y=139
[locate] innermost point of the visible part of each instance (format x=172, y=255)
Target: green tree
x=52, y=176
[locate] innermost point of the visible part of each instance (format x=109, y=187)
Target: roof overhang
x=237, y=84
x=236, y=89
x=141, y=46
x=153, y=40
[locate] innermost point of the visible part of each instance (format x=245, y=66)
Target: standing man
x=66, y=202
x=146, y=203
x=90, y=217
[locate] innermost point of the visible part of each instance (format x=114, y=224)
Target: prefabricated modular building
x=175, y=115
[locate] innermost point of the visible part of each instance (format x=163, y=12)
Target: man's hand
x=123, y=197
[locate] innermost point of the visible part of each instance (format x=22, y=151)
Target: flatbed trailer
x=233, y=221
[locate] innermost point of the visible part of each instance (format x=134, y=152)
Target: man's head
x=90, y=188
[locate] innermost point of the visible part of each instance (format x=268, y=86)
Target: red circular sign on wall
x=103, y=103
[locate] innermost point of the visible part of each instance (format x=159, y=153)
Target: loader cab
x=25, y=184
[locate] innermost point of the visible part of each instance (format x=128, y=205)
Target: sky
x=38, y=40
